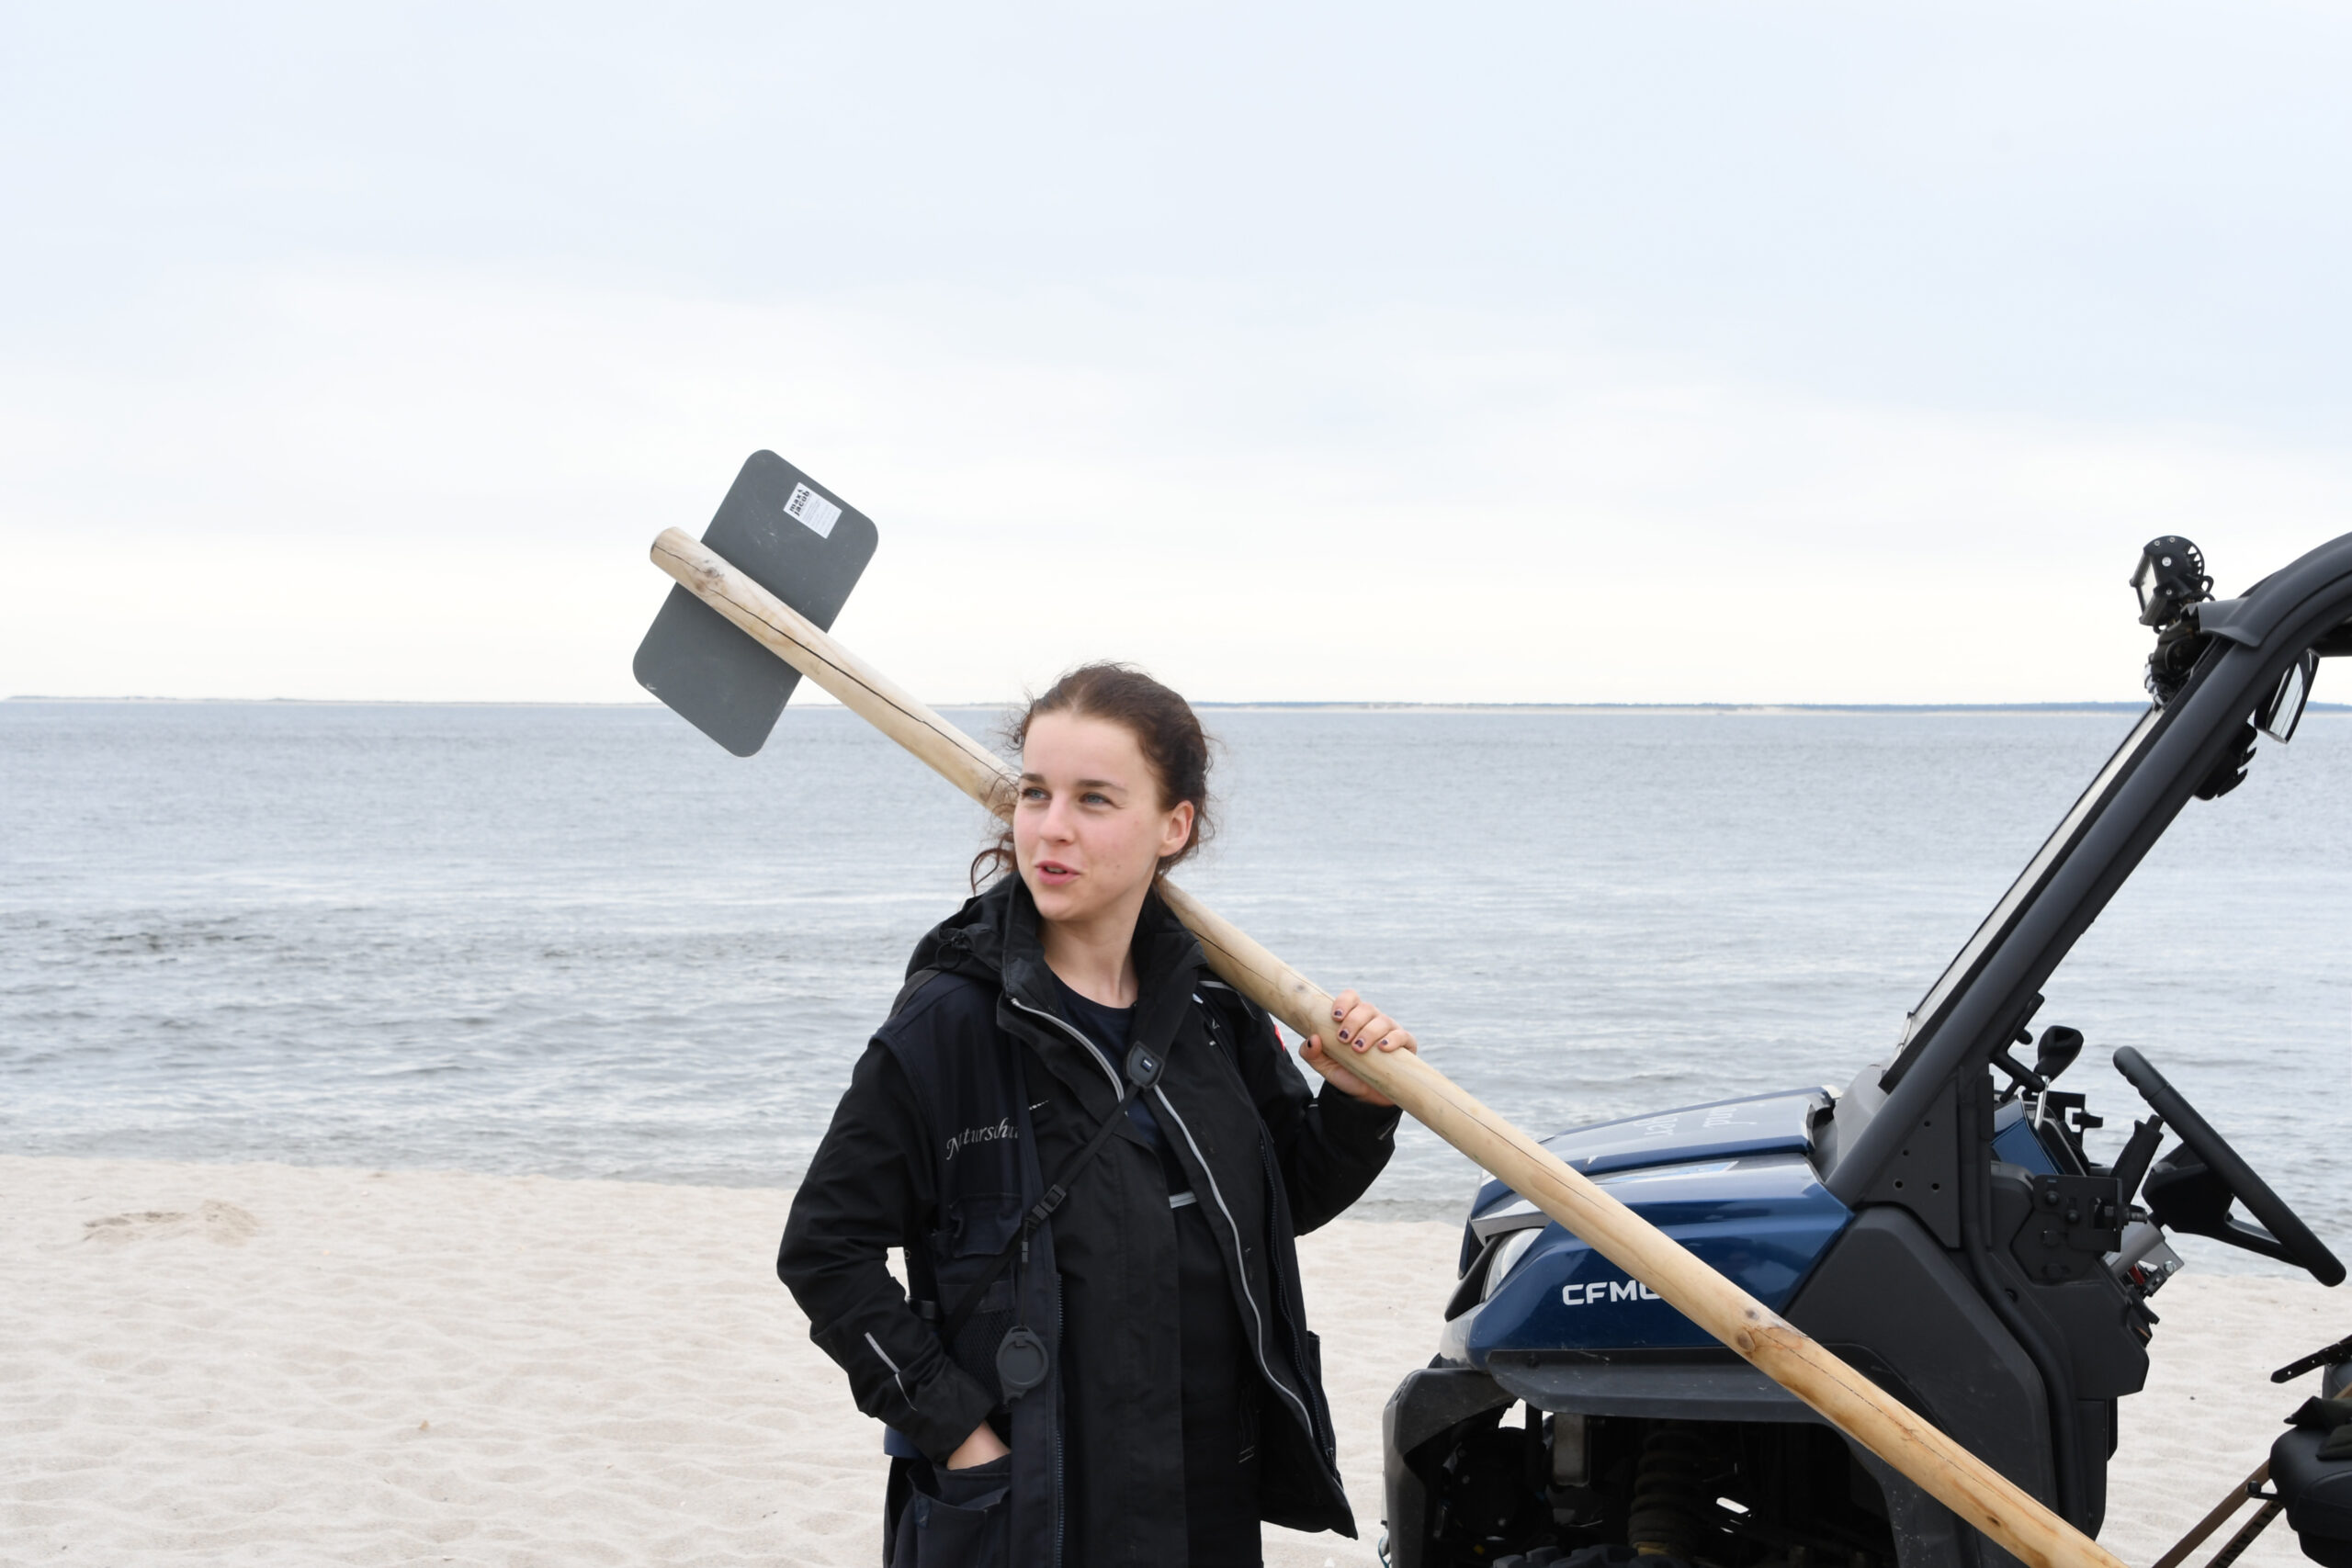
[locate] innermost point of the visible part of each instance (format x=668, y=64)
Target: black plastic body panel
x=1889, y=1290
x=1891, y=1300
x=2071, y=1224
x=2088, y=1315
x=1923, y=1174
x=1426, y=1404
x=1682, y=1385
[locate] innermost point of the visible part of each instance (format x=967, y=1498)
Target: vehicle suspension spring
x=1670, y=1514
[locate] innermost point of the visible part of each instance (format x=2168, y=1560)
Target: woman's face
x=1088, y=828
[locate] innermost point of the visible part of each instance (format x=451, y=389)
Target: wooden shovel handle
x=1847, y=1400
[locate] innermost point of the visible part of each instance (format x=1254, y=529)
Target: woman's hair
x=1164, y=726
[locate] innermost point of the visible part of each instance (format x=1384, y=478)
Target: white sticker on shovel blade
x=808, y=507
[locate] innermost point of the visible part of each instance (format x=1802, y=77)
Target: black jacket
x=1268, y=1161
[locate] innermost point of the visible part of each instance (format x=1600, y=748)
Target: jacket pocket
x=983, y=1329
x=980, y=1227
x=978, y=1224
x=958, y=1518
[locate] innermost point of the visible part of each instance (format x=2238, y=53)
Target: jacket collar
x=994, y=938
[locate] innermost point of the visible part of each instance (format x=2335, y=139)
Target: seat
x=2318, y=1495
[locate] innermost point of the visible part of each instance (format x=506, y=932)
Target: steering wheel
x=2193, y=1195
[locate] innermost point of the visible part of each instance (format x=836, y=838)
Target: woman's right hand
x=982, y=1445
x=1365, y=1027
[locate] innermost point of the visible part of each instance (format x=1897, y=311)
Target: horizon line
x=1337, y=704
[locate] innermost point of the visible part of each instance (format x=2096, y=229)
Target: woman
x=1096, y=1155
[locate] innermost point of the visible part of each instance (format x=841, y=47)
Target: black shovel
x=798, y=540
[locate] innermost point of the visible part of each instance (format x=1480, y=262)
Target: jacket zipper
x=1085, y=1046
x=1257, y=1319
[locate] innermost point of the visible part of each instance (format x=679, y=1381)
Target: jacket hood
x=970, y=941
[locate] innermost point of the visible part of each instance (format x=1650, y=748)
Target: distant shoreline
x=1633, y=709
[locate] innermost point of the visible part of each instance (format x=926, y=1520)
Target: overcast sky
x=1505, y=352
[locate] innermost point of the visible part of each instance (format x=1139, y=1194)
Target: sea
x=584, y=941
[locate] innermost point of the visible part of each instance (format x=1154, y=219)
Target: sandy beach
x=264, y=1363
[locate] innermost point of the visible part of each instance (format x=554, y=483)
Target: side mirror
x=2283, y=709
x=2060, y=1045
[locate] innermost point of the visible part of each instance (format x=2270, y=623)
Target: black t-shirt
x=1109, y=1031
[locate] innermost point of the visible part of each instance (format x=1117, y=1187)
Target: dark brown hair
x=1164, y=726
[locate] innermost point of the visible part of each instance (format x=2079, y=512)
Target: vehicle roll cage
x=1914, y=1134
x=1974, y=1009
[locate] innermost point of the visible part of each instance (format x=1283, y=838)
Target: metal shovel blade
x=798, y=540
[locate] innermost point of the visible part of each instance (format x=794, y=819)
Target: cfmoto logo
x=1594, y=1292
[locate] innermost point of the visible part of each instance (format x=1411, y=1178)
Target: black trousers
x=1220, y=1394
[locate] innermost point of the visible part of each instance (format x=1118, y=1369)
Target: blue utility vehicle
x=1937, y=1221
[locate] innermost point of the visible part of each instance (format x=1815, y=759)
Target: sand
x=262, y=1363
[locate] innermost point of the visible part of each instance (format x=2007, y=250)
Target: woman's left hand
x=1359, y=1027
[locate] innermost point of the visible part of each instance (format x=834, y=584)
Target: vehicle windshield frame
x=1917, y=1022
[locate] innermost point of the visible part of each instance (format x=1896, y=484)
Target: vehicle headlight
x=1507, y=1252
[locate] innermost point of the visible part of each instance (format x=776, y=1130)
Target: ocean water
x=584, y=942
